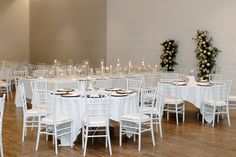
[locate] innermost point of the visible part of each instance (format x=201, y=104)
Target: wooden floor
x=191, y=139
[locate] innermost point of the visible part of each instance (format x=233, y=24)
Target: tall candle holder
x=130, y=67
x=102, y=67
x=110, y=69
x=118, y=66
x=143, y=67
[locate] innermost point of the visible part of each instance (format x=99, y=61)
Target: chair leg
x=106, y=138
x=227, y=108
x=55, y=138
x=46, y=134
x=183, y=112
x=139, y=138
x=152, y=133
x=167, y=112
x=109, y=140
x=160, y=127
x=177, y=116
x=38, y=136
x=1, y=145
x=83, y=137
x=23, y=131
x=213, y=116
x=203, y=113
x=120, y=134
x=86, y=141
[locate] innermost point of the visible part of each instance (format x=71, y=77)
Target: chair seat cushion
x=34, y=112
x=135, y=117
x=172, y=100
x=215, y=102
x=96, y=121
x=58, y=120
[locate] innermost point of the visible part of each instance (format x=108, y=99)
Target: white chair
x=156, y=95
x=151, y=81
x=173, y=103
x=39, y=73
x=2, y=104
x=29, y=115
x=38, y=84
x=96, y=119
x=17, y=75
x=137, y=123
x=134, y=84
x=5, y=82
x=218, y=103
x=60, y=124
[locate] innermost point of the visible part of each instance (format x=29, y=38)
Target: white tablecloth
x=75, y=108
x=52, y=83
x=196, y=94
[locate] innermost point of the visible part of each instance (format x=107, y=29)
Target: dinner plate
x=118, y=95
x=113, y=89
x=204, y=84
x=60, y=93
x=180, y=83
x=65, y=90
x=124, y=91
x=71, y=95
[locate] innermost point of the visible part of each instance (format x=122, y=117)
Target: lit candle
x=110, y=69
x=129, y=67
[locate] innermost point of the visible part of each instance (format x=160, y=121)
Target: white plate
x=204, y=84
x=71, y=95
x=113, y=89
x=125, y=92
x=118, y=95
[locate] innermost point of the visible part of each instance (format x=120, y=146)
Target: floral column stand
x=168, y=56
x=206, y=54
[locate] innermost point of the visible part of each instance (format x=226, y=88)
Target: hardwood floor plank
x=191, y=139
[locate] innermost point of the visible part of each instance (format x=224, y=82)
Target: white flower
x=204, y=51
x=203, y=66
x=208, y=64
x=209, y=53
x=169, y=57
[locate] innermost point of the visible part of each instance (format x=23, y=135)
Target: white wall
x=14, y=30
x=135, y=29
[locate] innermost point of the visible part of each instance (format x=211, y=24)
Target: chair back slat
x=23, y=97
x=97, y=104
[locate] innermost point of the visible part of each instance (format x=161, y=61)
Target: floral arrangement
x=206, y=54
x=168, y=56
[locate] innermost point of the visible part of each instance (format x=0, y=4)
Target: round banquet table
x=195, y=94
x=74, y=107
x=52, y=83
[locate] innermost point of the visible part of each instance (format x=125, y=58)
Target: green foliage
x=206, y=54
x=168, y=56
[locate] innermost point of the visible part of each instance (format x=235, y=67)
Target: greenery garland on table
x=168, y=56
x=206, y=54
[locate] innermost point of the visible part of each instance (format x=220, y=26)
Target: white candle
x=110, y=69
